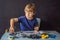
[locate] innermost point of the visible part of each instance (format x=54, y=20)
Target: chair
x=39, y=21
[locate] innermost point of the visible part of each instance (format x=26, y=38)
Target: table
x=5, y=36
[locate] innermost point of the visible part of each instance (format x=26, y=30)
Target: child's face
x=29, y=14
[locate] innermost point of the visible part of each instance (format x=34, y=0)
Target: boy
x=27, y=22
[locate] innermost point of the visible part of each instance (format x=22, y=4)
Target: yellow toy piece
x=44, y=36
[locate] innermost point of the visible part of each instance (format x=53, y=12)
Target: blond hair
x=30, y=7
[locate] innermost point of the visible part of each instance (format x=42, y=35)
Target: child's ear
x=24, y=10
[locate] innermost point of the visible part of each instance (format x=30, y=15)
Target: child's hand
x=36, y=29
x=11, y=30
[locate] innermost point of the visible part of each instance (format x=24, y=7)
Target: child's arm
x=12, y=21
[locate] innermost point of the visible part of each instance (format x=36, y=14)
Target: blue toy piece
x=52, y=36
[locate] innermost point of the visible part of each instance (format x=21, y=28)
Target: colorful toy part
x=44, y=36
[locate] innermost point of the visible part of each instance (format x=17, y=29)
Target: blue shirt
x=27, y=25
